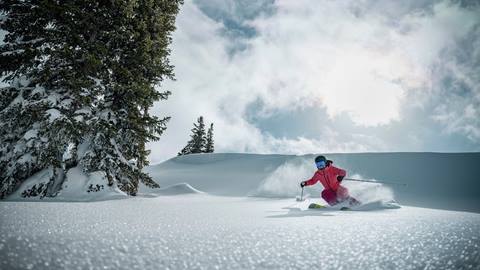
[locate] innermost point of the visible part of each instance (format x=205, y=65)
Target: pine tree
x=198, y=138
x=82, y=77
x=209, y=147
x=197, y=141
x=43, y=110
x=138, y=56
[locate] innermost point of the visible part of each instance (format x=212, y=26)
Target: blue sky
x=313, y=76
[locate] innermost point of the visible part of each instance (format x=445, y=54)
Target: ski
x=316, y=206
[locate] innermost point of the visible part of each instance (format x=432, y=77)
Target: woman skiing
x=330, y=177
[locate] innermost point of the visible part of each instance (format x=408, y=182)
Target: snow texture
x=216, y=211
x=212, y=232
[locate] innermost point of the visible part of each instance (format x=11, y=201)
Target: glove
x=340, y=178
x=303, y=183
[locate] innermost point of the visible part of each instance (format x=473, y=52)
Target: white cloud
x=308, y=53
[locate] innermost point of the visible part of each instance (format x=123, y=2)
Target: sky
x=317, y=76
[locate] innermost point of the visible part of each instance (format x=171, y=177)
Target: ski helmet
x=321, y=162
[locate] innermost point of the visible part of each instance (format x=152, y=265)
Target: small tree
x=197, y=141
x=209, y=147
x=186, y=150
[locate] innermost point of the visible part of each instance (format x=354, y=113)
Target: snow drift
x=78, y=186
x=434, y=180
x=176, y=189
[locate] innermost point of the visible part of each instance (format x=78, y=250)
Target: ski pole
x=371, y=181
x=301, y=197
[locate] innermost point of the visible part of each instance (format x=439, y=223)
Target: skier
x=331, y=178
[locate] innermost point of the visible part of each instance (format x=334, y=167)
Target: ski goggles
x=321, y=164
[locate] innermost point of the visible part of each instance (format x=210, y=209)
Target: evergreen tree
x=209, y=147
x=186, y=150
x=197, y=141
x=42, y=112
x=82, y=77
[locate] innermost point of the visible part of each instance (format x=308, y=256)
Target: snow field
x=200, y=231
x=238, y=211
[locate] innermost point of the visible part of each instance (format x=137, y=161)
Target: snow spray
x=369, y=192
x=284, y=182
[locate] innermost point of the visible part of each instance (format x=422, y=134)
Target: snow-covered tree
x=138, y=60
x=48, y=93
x=209, y=146
x=197, y=141
x=186, y=150
x=200, y=142
x=82, y=76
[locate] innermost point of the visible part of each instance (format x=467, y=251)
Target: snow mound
x=178, y=189
x=377, y=205
x=368, y=206
x=218, y=174
x=77, y=187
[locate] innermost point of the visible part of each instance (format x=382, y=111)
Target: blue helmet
x=321, y=162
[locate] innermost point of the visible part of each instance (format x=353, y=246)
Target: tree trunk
x=56, y=182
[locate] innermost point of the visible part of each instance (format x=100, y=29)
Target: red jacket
x=328, y=177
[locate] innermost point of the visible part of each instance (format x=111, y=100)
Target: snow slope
x=231, y=211
x=435, y=180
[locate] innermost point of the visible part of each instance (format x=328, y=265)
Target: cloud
x=456, y=93
x=361, y=70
